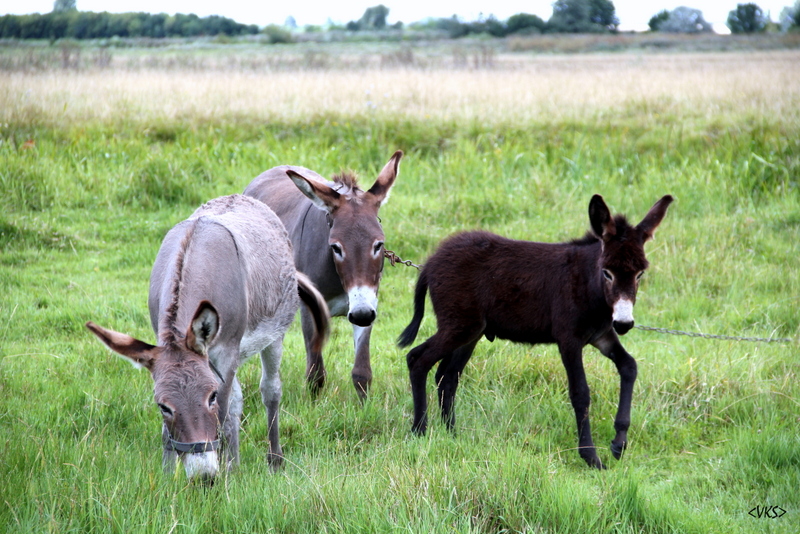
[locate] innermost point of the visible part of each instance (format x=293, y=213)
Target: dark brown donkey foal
x=571, y=294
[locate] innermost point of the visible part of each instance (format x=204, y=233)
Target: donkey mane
x=171, y=335
x=620, y=222
x=347, y=181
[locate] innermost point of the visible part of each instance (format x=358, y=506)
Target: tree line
x=569, y=16
x=75, y=24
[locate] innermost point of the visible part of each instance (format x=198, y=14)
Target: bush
x=277, y=34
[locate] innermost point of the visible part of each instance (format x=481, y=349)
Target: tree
x=525, y=23
x=64, y=6
x=582, y=16
x=685, y=20
x=374, y=18
x=657, y=20
x=790, y=17
x=603, y=13
x=747, y=18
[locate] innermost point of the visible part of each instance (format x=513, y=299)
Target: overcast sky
x=633, y=14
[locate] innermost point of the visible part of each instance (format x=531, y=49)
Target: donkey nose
x=622, y=327
x=363, y=317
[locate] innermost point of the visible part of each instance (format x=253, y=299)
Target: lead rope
x=395, y=259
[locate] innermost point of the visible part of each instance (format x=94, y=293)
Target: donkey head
x=622, y=261
x=356, y=237
x=185, y=388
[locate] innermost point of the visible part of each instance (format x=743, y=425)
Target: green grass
x=714, y=429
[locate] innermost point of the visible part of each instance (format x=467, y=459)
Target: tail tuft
x=316, y=304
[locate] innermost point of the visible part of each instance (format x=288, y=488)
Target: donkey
x=223, y=287
x=572, y=294
x=338, y=243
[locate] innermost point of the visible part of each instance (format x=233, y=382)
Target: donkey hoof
x=315, y=383
x=595, y=462
x=362, y=384
x=275, y=462
x=617, y=449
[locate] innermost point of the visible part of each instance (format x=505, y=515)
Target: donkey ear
x=380, y=189
x=654, y=216
x=203, y=329
x=139, y=353
x=320, y=194
x=600, y=217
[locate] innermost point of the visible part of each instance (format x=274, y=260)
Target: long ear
x=139, y=353
x=654, y=216
x=380, y=189
x=203, y=329
x=320, y=194
x=600, y=217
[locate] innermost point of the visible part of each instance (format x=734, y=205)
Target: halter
x=192, y=448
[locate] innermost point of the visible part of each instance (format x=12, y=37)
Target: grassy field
x=96, y=166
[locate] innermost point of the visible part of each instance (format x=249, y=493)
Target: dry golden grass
x=517, y=89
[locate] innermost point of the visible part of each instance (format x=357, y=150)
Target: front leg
x=610, y=347
x=362, y=370
x=572, y=357
x=230, y=426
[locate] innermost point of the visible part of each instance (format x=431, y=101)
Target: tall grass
x=96, y=167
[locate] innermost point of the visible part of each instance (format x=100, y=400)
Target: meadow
x=97, y=164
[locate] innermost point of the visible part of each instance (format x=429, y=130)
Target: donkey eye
x=607, y=275
x=337, y=250
x=212, y=400
x=377, y=248
x=639, y=276
x=165, y=410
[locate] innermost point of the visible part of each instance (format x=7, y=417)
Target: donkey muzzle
x=622, y=328
x=622, y=318
x=199, y=459
x=363, y=303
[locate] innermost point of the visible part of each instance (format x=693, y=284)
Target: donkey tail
x=410, y=333
x=315, y=303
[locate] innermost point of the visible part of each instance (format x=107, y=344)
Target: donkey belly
x=270, y=328
x=531, y=337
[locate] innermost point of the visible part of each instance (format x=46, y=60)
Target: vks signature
x=768, y=512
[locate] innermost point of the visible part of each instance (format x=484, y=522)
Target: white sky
x=633, y=14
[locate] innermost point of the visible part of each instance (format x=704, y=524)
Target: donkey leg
x=230, y=426
x=418, y=368
x=362, y=370
x=423, y=357
x=447, y=378
x=579, y=396
x=315, y=366
x=271, y=392
x=627, y=369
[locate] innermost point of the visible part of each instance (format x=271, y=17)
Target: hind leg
x=420, y=361
x=271, y=392
x=315, y=366
x=447, y=377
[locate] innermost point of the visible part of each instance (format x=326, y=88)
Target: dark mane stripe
x=168, y=331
